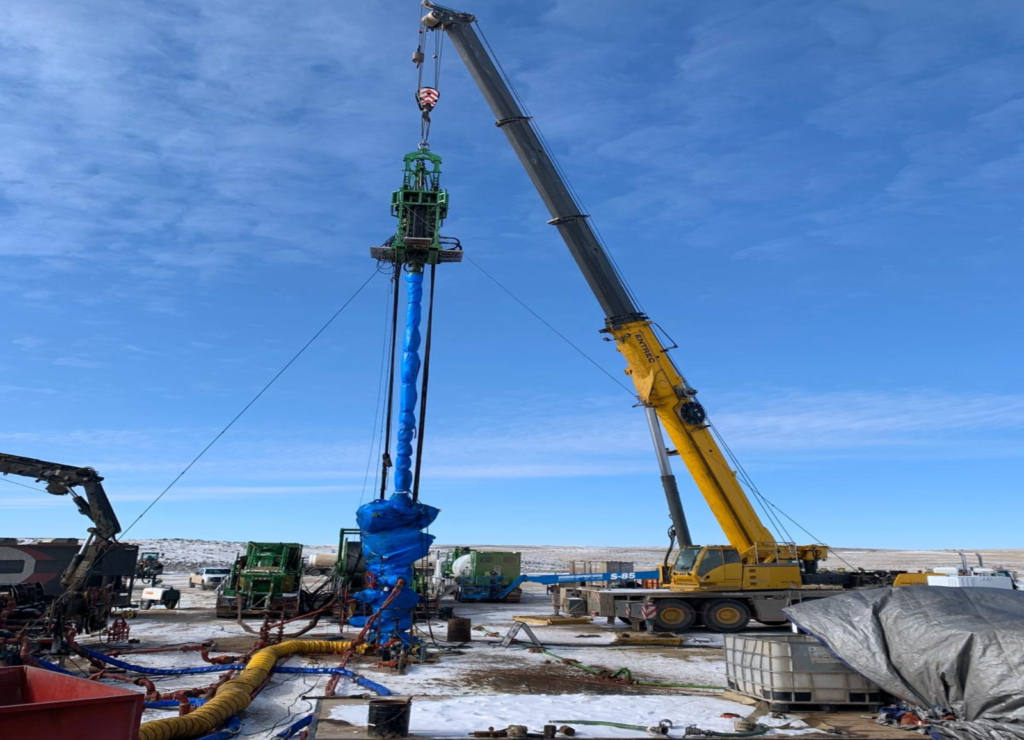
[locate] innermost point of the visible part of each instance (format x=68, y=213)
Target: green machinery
x=349, y=574
x=420, y=206
x=482, y=576
x=350, y=569
x=266, y=579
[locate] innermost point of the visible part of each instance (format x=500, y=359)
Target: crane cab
x=721, y=568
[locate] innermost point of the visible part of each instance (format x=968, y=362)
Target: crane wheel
x=674, y=615
x=726, y=615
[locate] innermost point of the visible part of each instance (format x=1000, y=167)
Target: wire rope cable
x=23, y=485
x=385, y=459
x=247, y=406
x=546, y=323
x=378, y=419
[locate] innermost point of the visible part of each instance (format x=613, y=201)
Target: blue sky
x=819, y=201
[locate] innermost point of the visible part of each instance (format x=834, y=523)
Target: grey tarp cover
x=960, y=649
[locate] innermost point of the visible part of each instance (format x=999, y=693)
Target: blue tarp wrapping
x=393, y=539
x=410, y=373
x=392, y=530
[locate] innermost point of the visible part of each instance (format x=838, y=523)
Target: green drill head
x=420, y=206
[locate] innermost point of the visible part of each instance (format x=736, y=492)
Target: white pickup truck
x=208, y=578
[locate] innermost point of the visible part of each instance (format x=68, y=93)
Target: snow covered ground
x=461, y=716
x=186, y=554
x=471, y=687
x=480, y=684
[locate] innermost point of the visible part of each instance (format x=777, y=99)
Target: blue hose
x=364, y=682
x=160, y=671
x=294, y=729
x=173, y=703
x=231, y=728
x=52, y=667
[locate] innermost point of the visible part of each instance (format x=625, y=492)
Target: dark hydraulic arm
x=62, y=480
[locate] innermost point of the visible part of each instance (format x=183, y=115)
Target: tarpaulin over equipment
x=393, y=539
x=959, y=650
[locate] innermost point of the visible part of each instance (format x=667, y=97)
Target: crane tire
x=726, y=615
x=674, y=615
x=171, y=604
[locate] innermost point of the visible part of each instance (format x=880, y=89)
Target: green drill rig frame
x=420, y=206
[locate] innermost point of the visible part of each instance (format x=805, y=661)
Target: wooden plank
x=550, y=620
x=642, y=638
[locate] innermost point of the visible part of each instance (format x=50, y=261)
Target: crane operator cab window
x=687, y=559
x=712, y=559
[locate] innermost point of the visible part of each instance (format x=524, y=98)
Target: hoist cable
x=424, y=386
x=749, y=482
x=68, y=594
x=23, y=485
x=378, y=416
x=247, y=406
x=559, y=334
x=385, y=458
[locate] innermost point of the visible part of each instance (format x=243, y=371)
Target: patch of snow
x=460, y=716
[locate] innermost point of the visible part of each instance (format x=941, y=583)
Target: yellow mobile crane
x=755, y=575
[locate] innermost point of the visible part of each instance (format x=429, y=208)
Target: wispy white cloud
x=28, y=342
x=185, y=493
x=84, y=363
x=800, y=422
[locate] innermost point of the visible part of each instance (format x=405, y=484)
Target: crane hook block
x=427, y=98
x=420, y=206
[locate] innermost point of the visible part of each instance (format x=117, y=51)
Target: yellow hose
x=235, y=694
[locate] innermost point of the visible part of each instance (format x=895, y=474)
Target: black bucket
x=389, y=718
x=460, y=630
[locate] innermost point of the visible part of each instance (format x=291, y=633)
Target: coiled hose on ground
x=235, y=695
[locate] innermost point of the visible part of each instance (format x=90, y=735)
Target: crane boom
x=659, y=384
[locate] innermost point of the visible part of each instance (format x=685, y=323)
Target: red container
x=43, y=705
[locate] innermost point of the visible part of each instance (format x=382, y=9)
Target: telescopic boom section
x=658, y=383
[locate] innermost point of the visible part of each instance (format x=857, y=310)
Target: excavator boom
x=61, y=480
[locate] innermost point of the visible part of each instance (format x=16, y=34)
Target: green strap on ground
x=624, y=673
